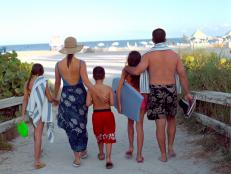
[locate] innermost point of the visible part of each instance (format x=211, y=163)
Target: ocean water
x=92, y=44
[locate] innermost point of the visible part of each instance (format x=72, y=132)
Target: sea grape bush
x=13, y=75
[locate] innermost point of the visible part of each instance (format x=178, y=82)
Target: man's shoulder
x=157, y=52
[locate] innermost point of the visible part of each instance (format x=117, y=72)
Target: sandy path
x=58, y=156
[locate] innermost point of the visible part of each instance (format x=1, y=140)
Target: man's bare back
x=162, y=66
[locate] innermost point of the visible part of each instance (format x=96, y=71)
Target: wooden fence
x=5, y=103
x=206, y=96
x=216, y=98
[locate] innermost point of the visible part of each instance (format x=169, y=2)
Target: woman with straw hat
x=72, y=112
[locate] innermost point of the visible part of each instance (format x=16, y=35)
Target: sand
x=58, y=156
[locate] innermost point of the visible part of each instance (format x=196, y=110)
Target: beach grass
x=209, y=71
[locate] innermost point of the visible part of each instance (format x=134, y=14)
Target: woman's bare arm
x=57, y=82
x=86, y=81
x=88, y=99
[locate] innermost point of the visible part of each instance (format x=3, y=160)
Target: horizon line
x=33, y=43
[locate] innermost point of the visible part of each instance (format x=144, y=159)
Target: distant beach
x=49, y=59
x=177, y=44
x=92, y=44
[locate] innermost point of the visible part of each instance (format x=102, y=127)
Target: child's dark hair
x=98, y=73
x=37, y=69
x=134, y=58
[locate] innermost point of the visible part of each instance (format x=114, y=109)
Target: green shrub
x=207, y=71
x=13, y=75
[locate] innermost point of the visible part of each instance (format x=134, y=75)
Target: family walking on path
x=152, y=74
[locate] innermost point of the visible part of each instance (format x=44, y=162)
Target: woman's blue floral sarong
x=72, y=115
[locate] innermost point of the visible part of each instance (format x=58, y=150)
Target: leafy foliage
x=207, y=71
x=13, y=75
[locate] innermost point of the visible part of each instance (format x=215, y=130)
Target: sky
x=37, y=21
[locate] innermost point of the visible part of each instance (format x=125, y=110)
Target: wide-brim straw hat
x=70, y=46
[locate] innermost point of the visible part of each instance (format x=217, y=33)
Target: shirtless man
x=103, y=119
x=162, y=105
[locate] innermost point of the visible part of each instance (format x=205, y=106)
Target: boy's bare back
x=107, y=92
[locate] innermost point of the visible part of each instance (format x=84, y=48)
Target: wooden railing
x=216, y=98
x=206, y=96
x=5, y=103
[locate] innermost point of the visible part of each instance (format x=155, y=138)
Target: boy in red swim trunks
x=102, y=118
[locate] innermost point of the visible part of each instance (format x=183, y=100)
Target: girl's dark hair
x=69, y=59
x=37, y=69
x=134, y=58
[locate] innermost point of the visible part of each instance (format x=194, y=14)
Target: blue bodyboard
x=131, y=99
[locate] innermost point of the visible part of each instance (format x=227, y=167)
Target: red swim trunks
x=104, y=126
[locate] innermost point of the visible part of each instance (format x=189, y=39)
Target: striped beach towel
x=144, y=77
x=40, y=108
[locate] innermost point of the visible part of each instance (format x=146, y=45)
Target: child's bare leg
x=101, y=154
x=130, y=135
x=38, y=142
x=108, y=152
x=140, y=136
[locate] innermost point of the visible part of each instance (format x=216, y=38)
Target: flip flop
x=101, y=157
x=109, y=165
x=141, y=160
x=39, y=166
x=164, y=161
x=171, y=155
x=85, y=155
x=76, y=164
x=128, y=154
